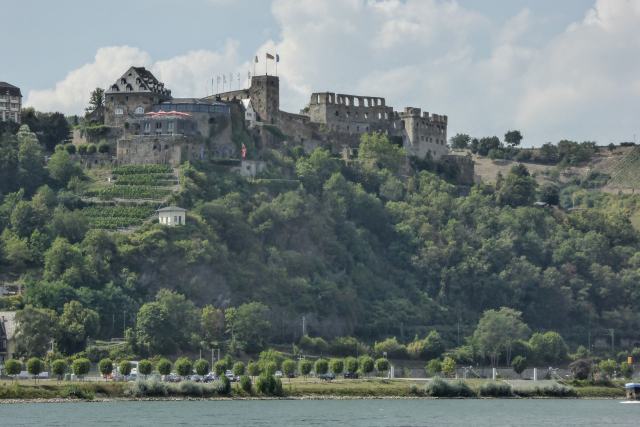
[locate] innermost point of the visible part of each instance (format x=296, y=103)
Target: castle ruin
x=154, y=127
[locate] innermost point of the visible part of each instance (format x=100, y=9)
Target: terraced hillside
x=126, y=196
x=625, y=172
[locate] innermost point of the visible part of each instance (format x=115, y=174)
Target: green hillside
x=366, y=249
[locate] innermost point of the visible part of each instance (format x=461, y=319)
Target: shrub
x=519, y=364
x=222, y=386
x=321, y=366
x=77, y=392
x=184, y=367
x=150, y=388
x=91, y=149
x=367, y=364
x=345, y=346
x=201, y=367
x=164, y=367
x=81, y=367
x=269, y=385
x=71, y=149
x=336, y=366
x=219, y=367
x=253, y=369
x=145, y=367
x=289, y=367
x=313, y=345
x=238, y=369
x=434, y=367
x=58, y=368
x=189, y=388
x=124, y=367
x=556, y=390
x=607, y=368
x=13, y=367
x=270, y=368
x=428, y=348
x=35, y=366
x=350, y=364
x=304, y=367
x=103, y=148
x=581, y=369
x=82, y=149
x=441, y=388
x=495, y=389
x=382, y=365
x=626, y=370
x=391, y=347
x=105, y=366
x=245, y=383
x=449, y=366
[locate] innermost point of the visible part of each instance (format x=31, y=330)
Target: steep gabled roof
x=9, y=89
x=136, y=80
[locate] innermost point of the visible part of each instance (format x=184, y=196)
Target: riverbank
x=53, y=391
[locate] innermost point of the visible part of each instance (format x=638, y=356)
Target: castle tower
x=265, y=97
x=424, y=134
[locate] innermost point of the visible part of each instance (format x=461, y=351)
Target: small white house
x=172, y=215
x=249, y=113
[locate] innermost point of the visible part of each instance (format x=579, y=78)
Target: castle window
x=379, y=116
x=366, y=116
x=357, y=128
x=147, y=127
x=170, y=126
x=118, y=111
x=357, y=102
x=337, y=114
x=139, y=110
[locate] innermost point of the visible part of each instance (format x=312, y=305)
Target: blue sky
x=554, y=69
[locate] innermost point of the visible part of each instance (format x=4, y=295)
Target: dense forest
x=373, y=248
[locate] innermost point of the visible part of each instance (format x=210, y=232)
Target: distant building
x=10, y=102
x=249, y=113
x=172, y=215
x=7, y=335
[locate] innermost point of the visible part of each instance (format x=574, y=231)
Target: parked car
x=328, y=376
x=197, y=378
x=210, y=377
x=229, y=374
x=173, y=378
x=350, y=375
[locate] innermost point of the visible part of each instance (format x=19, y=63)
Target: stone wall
x=128, y=102
x=162, y=149
x=349, y=113
x=424, y=134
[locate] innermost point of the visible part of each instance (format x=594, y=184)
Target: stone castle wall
x=162, y=149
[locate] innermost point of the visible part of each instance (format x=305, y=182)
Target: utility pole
x=304, y=326
x=612, y=340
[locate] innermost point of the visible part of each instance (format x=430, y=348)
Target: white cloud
x=71, y=94
x=488, y=76
x=186, y=75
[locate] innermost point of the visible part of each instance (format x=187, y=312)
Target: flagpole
x=266, y=63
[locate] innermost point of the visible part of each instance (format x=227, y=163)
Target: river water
x=343, y=413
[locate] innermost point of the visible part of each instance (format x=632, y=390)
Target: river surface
x=343, y=413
